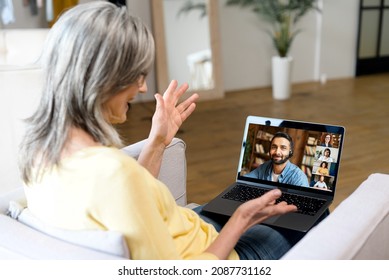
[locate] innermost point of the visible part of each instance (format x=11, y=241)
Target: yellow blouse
x=323, y=171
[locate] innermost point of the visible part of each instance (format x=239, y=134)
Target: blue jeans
x=260, y=242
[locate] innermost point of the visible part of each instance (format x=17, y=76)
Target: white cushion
x=110, y=242
x=18, y=241
x=16, y=195
x=23, y=46
x=20, y=92
x=3, y=49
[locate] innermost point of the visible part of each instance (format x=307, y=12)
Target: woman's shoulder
x=105, y=164
x=104, y=151
x=101, y=156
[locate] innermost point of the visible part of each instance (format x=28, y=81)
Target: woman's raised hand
x=169, y=113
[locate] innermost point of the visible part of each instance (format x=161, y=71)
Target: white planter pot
x=281, y=77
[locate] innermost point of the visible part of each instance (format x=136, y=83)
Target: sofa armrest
x=357, y=229
x=173, y=168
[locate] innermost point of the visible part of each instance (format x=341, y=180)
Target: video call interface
x=316, y=153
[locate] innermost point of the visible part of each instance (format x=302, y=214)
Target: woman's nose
x=143, y=87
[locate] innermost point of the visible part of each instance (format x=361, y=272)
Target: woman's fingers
x=187, y=107
x=283, y=208
x=187, y=102
x=173, y=94
x=271, y=196
x=268, y=206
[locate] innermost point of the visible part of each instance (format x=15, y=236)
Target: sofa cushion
x=14, y=50
x=110, y=242
x=16, y=195
x=18, y=241
x=21, y=90
x=3, y=49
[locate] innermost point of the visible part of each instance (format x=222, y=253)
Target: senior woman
x=96, y=60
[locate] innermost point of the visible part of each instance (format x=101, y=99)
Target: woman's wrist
x=241, y=220
x=151, y=156
x=155, y=144
x=228, y=237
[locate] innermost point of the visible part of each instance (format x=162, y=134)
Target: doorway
x=373, y=37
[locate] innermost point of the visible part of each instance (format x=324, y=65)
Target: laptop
x=313, y=166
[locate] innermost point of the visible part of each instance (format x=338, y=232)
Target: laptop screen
x=291, y=153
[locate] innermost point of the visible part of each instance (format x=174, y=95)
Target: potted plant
x=282, y=15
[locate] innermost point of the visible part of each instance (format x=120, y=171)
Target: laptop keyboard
x=305, y=205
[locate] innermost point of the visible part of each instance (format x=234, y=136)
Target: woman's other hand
x=248, y=214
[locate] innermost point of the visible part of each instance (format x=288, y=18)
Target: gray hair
x=92, y=52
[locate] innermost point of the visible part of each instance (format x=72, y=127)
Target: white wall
x=339, y=40
x=247, y=50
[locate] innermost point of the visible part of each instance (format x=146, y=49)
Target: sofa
x=357, y=229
